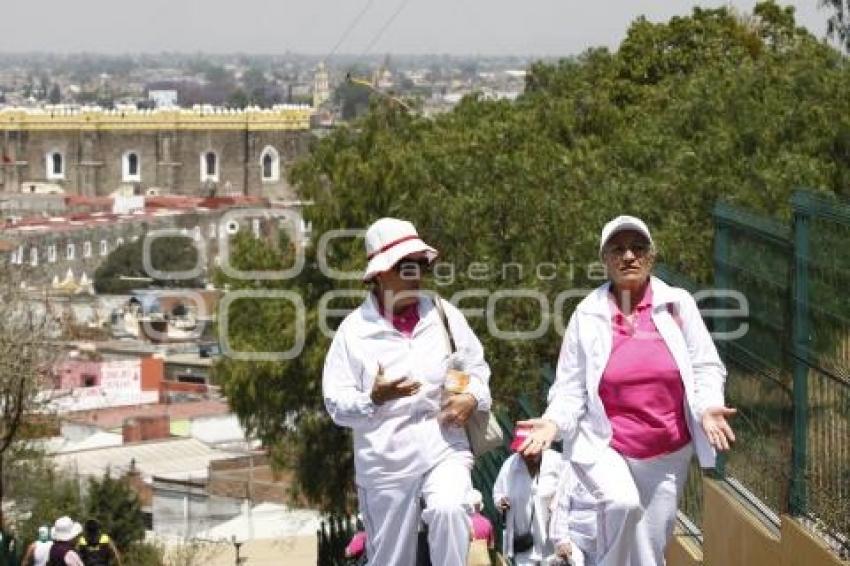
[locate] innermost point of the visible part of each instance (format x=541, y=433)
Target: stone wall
x=170, y=148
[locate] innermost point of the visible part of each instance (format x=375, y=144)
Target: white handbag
x=482, y=428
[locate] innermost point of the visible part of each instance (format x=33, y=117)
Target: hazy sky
x=536, y=27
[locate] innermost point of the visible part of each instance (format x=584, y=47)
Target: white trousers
x=391, y=516
x=637, y=502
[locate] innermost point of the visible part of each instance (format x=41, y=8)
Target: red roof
x=153, y=205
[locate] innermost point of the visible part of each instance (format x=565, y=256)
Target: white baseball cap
x=388, y=241
x=623, y=223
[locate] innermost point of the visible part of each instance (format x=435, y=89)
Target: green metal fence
x=789, y=374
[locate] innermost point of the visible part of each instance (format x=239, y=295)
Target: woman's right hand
x=564, y=550
x=384, y=390
x=540, y=438
x=504, y=504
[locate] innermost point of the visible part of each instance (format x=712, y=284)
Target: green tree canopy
x=513, y=194
x=124, y=268
x=113, y=503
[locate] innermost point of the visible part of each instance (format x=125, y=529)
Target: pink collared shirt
x=482, y=529
x=641, y=387
x=404, y=321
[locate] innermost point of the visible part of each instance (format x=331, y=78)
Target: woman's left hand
x=458, y=408
x=716, y=427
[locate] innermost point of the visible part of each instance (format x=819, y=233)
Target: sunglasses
x=638, y=249
x=412, y=267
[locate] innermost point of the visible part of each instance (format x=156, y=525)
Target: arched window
x=86, y=249
x=55, y=166
x=267, y=166
x=270, y=164
x=131, y=167
x=209, y=166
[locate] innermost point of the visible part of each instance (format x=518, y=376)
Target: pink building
x=74, y=374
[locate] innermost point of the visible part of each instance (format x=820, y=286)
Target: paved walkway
x=292, y=551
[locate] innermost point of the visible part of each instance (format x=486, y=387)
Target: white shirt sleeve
x=73, y=559
x=500, y=487
x=568, y=395
x=559, y=525
x=345, y=400
x=709, y=371
x=551, y=468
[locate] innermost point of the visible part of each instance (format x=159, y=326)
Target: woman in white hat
x=384, y=378
x=63, y=552
x=638, y=389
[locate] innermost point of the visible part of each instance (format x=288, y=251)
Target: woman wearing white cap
x=384, y=378
x=638, y=389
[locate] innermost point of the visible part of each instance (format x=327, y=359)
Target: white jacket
x=513, y=483
x=573, y=513
x=400, y=439
x=574, y=402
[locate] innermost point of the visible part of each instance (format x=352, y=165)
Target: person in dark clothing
x=63, y=552
x=96, y=548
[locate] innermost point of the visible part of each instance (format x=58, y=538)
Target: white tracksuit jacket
x=400, y=439
x=574, y=402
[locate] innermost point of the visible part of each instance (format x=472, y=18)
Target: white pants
x=391, y=516
x=637, y=502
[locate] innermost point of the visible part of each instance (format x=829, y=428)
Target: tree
x=45, y=494
x=238, y=99
x=258, y=88
x=838, y=24
x=27, y=352
x=352, y=98
x=55, y=96
x=124, y=268
x=684, y=113
x=116, y=506
x=278, y=402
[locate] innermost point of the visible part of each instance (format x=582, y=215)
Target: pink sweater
x=641, y=388
x=482, y=529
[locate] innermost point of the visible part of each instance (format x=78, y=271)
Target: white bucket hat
x=388, y=241
x=65, y=529
x=623, y=223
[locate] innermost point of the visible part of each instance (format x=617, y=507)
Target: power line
x=350, y=27
x=386, y=25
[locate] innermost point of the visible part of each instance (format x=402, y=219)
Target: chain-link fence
x=789, y=373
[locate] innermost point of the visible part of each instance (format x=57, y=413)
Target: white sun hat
x=623, y=223
x=388, y=241
x=65, y=529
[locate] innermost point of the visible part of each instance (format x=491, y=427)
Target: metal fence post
x=721, y=281
x=800, y=348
